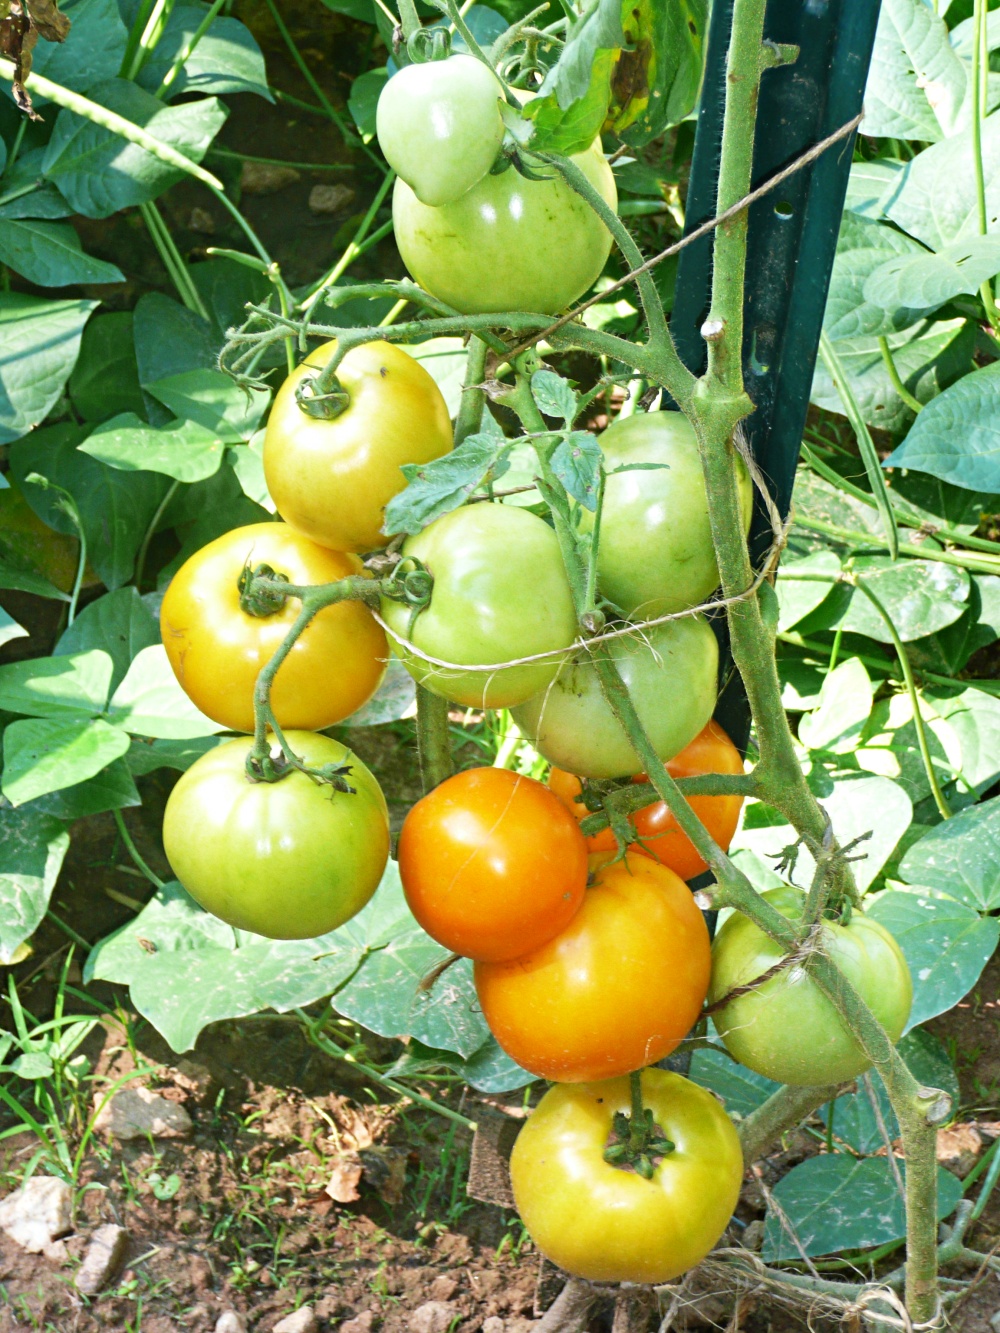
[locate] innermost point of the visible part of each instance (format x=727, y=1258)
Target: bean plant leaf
x=92, y=52
x=42, y=755
x=10, y=628
x=119, y=623
x=798, y=597
x=974, y=719
x=864, y=247
x=845, y=703
x=226, y=58
x=68, y=686
x=917, y=84
x=961, y=857
x=363, y=100
x=113, y=788
x=946, y=944
x=576, y=461
x=32, y=847
x=838, y=1202
x=39, y=344
x=489, y=1069
x=444, y=360
x=146, y=756
x=957, y=437
x=49, y=254
x=920, y=597
x=438, y=487
x=926, y=281
x=396, y=697
x=211, y=400
x=741, y=1090
x=169, y=340
x=149, y=701
x=105, y=380
x=867, y=184
x=183, y=450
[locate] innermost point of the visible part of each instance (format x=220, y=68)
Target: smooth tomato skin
x=671, y=671
x=608, y=1225
x=331, y=480
x=290, y=859
x=508, y=243
x=656, y=554
x=492, y=864
x=617, y=990
x=500, y=593
x=216, y=649
x=787, y=1029
x=439, y=126
x=711, y=751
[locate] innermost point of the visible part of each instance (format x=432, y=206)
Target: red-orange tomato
x=711, y=751
x=616, y=991
x=492, y=865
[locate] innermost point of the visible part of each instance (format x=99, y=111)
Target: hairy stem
x=470, y=413
x=782, y=1111
x=433, y=742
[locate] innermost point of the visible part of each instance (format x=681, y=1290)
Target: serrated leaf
x=42, y=755
x=961, y=857
x=149, y=701
x=183, y=450
x=554, y=396
x=438, y=487
x=32, y=847
x=576, y=461
x=572, y=128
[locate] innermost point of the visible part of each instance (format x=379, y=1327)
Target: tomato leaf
x=32, y=847
x=554, y=396
x=439, y=487
x=658, y=75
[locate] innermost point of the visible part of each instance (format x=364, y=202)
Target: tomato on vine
x=787, y=1029
x=217, y=648
x=604, y=1223
x=618, y=989
x=492, y=864
x=290, y=859
x=439, y=126
x=332, y=479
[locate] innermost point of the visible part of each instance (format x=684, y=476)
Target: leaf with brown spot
x=23, y=22
x=658, y=75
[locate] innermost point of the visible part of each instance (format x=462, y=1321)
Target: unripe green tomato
x=606, y=1224
x=787, y=1029
x=508, y=243
x=290, y=859
x=500, y=593
x=439, y=126
x=656, y=554
x=671, y=672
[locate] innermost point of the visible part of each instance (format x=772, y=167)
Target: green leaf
x=961, y=857
x=18, y=574
x=740, y=1089
x=920, y=596
x=657, y=79
x=169, y=340
x=247, y=462
x=57, y=686
x=226, y=59
x=946, y=945
x=957, y=436
x=100, y=173
x=837, y=1202
x=32, y=847
x=554, y=396
x=489, y=1069
x=105, y=381
x=39, y=344
x=798, y=597
x=9, y=627
x=93, y=50
x=845, y=702
x=891, y=746
x=363, y=99
x=576, y=461
x=42, y=755
x=145, y=756
x=866, y=185
x=111, y=789
x=183, y=450
x=42, y=199
x=211, y=400
x=917, y=84
x=571, y=128
x=32, y=1065
x=119, y=623
x=440, y=486
x=49, y=254
x=974, y=718
x=396, y=697
x=926, y=281
x=149, y=701
x=444, y=360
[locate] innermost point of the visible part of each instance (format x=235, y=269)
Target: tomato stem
x=636, y=1141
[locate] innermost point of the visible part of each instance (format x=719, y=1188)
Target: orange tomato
x=492, y=865
x=616, y=991
x=711, y=751
x=217, y=649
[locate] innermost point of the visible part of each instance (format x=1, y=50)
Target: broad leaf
x=145, y=756
x=926, y=281
x=111, y=789
x=119, y=623
x=226, y=58
x=105, y=381
x=798, y=597
x=845, y=702
x=32, y=847
x=863, y=248
x=362, y=100
x=867, y=183
x=57, y=686
x=740, y=1089
x=49, y=254
x=42, y=755
x=93, y=50
x=396, y=697
x=920, y=597
x=961, y=857
x=957, y=436
x=573, y=100
x=211, y=400
x=39, y=344
x=9, y=628
x=488, y=1070
x=183, y=450
x=974, y=718
x=149, y=701
x=169, y=340
x=917, y=84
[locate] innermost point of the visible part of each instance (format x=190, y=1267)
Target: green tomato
x=290, y=859
x=608, y=1224
x=656, y=554
x=439, y=126
x=671, y=672
x=508, y=243
x=787, y=1029
x=500, y=592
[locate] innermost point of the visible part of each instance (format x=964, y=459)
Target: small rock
x=302, y=1320
x=135, y=1113
x=433, y=1317
x=753, y=1234
x=958, y=1147
x=493, y=1325
x=263, y=178
x=201, y=221
x=995, y=1321
x=443, y=1287
x=230, y=1322
x=363, y=1323
x=330, y=198
x=37, y=1214
x=345, y=1177
x=104, y=1256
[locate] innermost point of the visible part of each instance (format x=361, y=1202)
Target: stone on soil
x=135, y=1113
x=103, y=1258
x=37, y=1214
x=301, y=1321
x=433, y=1317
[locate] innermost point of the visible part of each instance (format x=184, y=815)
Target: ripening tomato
x=492, y=864
x=217, y=649
x=787, y=1029
x=617, y=990
x=671, y=672
x=290, y=859
x=711, y=751
x=331, y=480
x=500, y=593
x=606, y=1223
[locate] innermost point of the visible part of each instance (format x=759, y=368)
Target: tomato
x=500, y=592
x=508, y=243
x=216, y=649
x=331, y=480
x=606, y=1224
x=439, y=126
x=671, y=672
x=618, y=989
x=492, y=864
x=787, y=1029
x=290, y=859
x=656, y=554
x=711, y=751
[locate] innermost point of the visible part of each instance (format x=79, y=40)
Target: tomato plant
x=217, y=648
x=608, y=1224
x=787, y=1029
x=289, y=859
x=492, y=865
x=618, y=989
x=332, y=479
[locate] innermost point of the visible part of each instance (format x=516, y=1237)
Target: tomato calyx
x=428, y=44
x=258, y=595
x=322, y=396
x=636, y=1142
x=272, y=767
